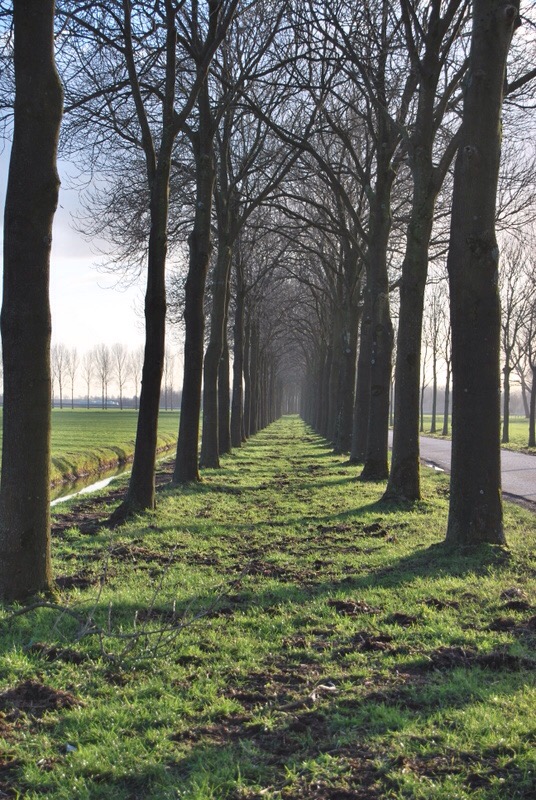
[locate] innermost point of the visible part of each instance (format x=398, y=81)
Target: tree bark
x=200, y=244
x=404, y=480
x=532, y=411
x=31, y=201
x=506, y=403
x=334, y=375
x=362, y=396
x=141, y=488
x=224, y=398
x=433, y=424
x=237, y=406
x=247, y=378
x=475, y=511
x=210, y=451
x=445, y=430
x=376, y=466
x=254, y=379
x=348, y=376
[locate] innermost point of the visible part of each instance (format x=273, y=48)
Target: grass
x=78, y=436
x=518, y=432
x=332, y=647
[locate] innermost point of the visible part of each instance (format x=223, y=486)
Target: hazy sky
x=87, y=306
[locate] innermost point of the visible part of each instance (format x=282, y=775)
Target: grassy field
x=275, y=633
x=519, y=432
x=86, y=442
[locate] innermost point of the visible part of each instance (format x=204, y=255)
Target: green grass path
x=296, y=640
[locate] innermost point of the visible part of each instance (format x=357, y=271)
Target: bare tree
x=71, y=366
x=59, y=356
x=146, y=45
x=514, y=290
x=136, y=364
x=102, y=359
x=120, y=368
x=432, y=332
x=31, y=200
x=88, y=368
x=169, y=365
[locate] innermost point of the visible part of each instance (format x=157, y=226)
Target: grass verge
x=518, y=433
x=295, y=638
x=78, y=436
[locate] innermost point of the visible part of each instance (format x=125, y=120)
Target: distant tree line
x=106, y=368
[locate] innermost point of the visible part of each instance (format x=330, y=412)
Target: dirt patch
x=220, y=733
x=79, y=580
x=445, y=658
x=517, y=605
x=201, y=559
x=351, y=608
x=404, y=620
x=135, y=553
x=8, y=766
x=441, y=605
x=366, y=641
x=514, y=593
x=269, y=569
x=343, y=527
x=480, y=770
x=51, y=653
x=502, y=624
x=35, y=699
x=360, y=779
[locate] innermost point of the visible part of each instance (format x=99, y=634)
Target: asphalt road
x=518, y=469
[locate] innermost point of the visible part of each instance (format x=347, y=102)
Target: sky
x=88, y=307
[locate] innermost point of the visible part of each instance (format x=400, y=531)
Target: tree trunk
x=447, y=403
x=506, y=403
x=141, y=488
x=524, y=393
x=404, y=480
x=254, y=379
x=31, y=201
x=375, y=466
x=362, y=396
x=237, y=413
x=348, y=377
x=433, y=426
x=324, y=406
x=532, y=411
x=247, y=379
x=186, y=464
x=224, y=399
x=334, y=376
x=475, y=511
x=210, y=452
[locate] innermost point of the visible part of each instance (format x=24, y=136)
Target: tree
x=475, y=509
x=136, y=364
x=59, y=356
x=147, y=47
x=437, y=56
x=169, y=366
x=72, y=363
x=120, y=367
x=88, y=366
x=31, y=200
x=514, y=290
x=102, y=359
x=432, y=331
